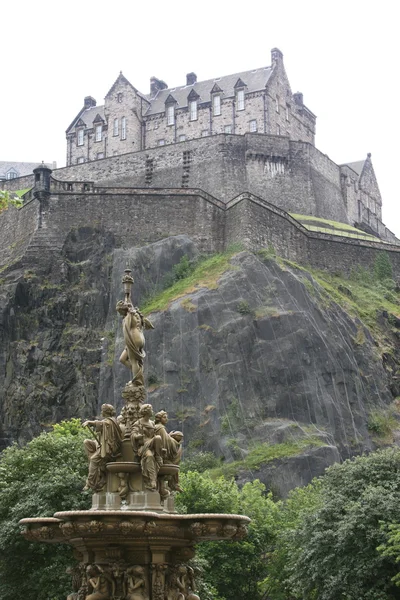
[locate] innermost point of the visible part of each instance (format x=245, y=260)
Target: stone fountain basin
x=134, y=467
x=116, y=527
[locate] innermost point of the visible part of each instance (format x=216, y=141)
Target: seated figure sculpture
x=103, y=449
x=171, y=442
x=148, y=446
x=100, y=584
x=135, y=584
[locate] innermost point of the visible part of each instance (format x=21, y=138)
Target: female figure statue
x=172, y=444
x=101, y=585
x=105, y=448
x=132, y=325
x=148, y=446
x=135, y=584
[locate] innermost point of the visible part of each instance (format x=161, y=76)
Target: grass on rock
x=205, y=275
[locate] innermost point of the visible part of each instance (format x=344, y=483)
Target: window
x=216, y=105
x=204, y=133
x=115, y=131
x=99, y=130
x=170, y=115
x=148, y=126
x=228, y=129
x=278, y=130
x=287, y=112
x=123, y=128
x=80, y=137
x=11, y=175
x=161, y=142
x=100, y=155
x=253, y=125
x=240, y=100
x=182, y=138
x=193, y=110
x=277, y=104
x=119, y=97
x=80, y=160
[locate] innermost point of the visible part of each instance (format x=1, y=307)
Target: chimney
x=276, y=56
x=298, y=98
x=156, y=85
x=191, y=78
x=89, y=101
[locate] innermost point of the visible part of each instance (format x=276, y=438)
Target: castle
x=225, y=160
x=258, y=101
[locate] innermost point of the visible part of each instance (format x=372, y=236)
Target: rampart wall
x=292, y=175
x=138, y=217
x=17, y=226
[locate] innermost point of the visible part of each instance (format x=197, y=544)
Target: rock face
x=256, y=360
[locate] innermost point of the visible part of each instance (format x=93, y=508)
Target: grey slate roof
x=21, y=168
x=88, y=116
x=356, y=166
x=255, y=80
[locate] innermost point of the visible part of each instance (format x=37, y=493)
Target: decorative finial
x=127, y=281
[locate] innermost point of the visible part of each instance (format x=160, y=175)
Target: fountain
x=132, y=544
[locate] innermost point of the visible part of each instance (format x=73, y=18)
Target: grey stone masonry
x=257, y=101
x=292, y=175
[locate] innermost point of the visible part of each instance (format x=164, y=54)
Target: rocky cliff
x=257, y=362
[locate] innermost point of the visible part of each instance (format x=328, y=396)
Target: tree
x=45, y=476
x=6, y=200
x=233, y=569
x=332, y=550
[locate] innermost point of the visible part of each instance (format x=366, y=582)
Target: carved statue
x=100, y=583
x=136, y=584
x=104, y=448
x=180, y=584
x=172, y=444
x=78, y=583
x=148, y=446
x=133, y=324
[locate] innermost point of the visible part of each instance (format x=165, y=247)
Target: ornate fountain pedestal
x=116, y=542
x=132, y=545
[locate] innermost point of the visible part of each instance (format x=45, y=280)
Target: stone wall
x=140, y=217
x=17, y=227
x=291, y=175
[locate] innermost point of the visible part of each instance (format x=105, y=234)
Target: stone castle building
x=224, y=161
x=257, y=101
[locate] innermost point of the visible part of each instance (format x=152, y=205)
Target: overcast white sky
x=343, y=56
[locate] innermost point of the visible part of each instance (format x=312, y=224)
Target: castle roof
x=88, y=116
x=20, y=168
x=254, y=81
x=356, y=166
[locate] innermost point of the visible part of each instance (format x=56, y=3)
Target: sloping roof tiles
x=255, y=80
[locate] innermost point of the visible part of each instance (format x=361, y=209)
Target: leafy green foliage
x=7, y=199
x=263, y=452
x=383, y=267
x=45, y=476
x=232, y=569
x=331, y=550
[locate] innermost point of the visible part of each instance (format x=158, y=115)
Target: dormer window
x=170, y=114
x=216, y=105
x=193, y=110
x=80, y=137
x=98, y=133
x=11, y=175
x=240, y=100
x=115, y=130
